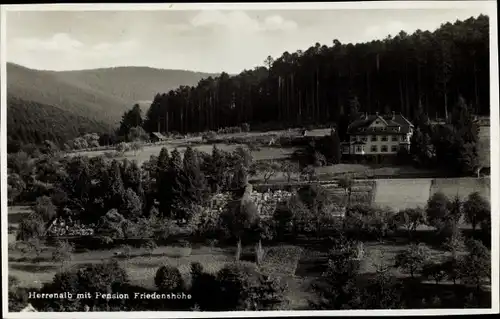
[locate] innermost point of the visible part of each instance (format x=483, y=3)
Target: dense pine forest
x=422, y=72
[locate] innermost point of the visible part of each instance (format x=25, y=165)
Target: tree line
x=425, y=70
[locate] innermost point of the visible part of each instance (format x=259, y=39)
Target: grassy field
x=462, y=187
x=264, y=153
x=275, y=153
x=484, y=146
x=297, y=266
x=402, y=193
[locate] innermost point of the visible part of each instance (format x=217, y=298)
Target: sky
x=206, y=41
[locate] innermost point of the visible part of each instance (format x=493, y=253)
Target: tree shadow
x=34, y=268
x=16, y=218
x=311, y=267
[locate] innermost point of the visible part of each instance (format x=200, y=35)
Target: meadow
x=299, y=265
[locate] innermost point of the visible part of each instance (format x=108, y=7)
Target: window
x=384, y=148
x=384, y=138
x=364, y=139
x=394, y=148
x=358, y=149
x=374, y=138
x=394, y=138
x=374, y=148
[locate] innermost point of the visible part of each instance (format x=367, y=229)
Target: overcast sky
x=209, y=41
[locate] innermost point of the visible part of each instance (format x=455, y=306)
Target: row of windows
x=383, y=138
x=374, y=149
x=390, y=129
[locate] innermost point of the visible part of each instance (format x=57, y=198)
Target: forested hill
x=134, y=84
x=101, y=94
x=48, y=88
x=96, y=98
x=33, y=122
x=426, y=71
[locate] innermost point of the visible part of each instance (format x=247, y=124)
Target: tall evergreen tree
x=130, y=119
x=195, y=188
x=116, y=191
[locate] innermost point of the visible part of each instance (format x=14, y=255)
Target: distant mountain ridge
x=99, y=95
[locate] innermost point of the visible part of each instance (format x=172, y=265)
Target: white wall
x=379, y=143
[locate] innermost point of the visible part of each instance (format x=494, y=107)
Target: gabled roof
x=159, y=135
x=395, y=120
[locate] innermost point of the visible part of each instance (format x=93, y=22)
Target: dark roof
x=159, y=135
x=396, y=120
x=403, y=131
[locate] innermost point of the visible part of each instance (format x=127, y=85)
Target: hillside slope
x=100, y=94
x=47, y=88
x=132, y=83
x=57, y=105
x=33, y=122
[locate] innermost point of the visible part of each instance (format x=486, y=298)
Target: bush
x=245, y=127
x=168, y=279
x=235, y=282
x=412, y=260
x=210, y=135
x=107, y=277
x=180, y=249
x=101, y=277
x=204, y=289
x=150, y=245
x=123, y=147
x=63, y=251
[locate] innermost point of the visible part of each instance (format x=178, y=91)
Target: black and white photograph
x=195, y=159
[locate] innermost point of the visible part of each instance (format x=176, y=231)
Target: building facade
x=378, y=135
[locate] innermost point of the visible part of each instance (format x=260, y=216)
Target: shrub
x=102, y=277
x=204, y=289
x=434, y=271
x=245, y=127
x=63, y=252
x=150, y=245
x=210, y=135
x=235, y=281
x=107, y=277
x=259, y=253
x=126, y=250
x=476, y=265
x=412, y=259
x=168, y=279
x=123, y=147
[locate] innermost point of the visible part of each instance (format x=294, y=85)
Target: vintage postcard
x=249, y=160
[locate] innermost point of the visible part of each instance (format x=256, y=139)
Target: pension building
x=378, y=135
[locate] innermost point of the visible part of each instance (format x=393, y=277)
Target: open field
x=295, y=265
x=402, y=193
x=462, y=187
x=141, y=267
x=280, y=153
x=484, y=146
x=264, y=153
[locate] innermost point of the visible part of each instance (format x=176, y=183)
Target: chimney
x=393, y=115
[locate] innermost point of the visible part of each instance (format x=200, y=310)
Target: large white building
x=378, y=135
